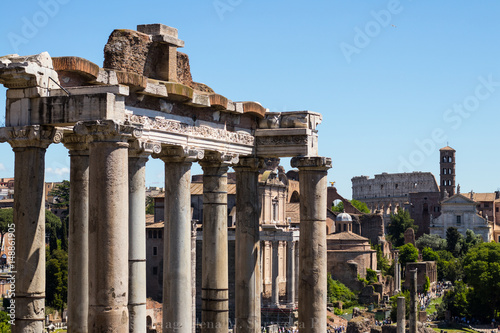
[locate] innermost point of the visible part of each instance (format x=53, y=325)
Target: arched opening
x=149, y=322
x=295, y=198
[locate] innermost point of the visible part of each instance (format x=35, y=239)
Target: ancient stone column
x=138, y=156
x=312, y=242
x=108, y=224
x=275, y=295
x=297, y=256
x=78, y=238
x=214, y=292
x=26, y=251
x=248, y=277
x=401, y=314
x=193, y=270
x=397, y=273
x=290, y=272
x=177, y=272
x=412, y=275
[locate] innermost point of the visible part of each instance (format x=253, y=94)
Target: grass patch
x=432, y=306
x=454, y=330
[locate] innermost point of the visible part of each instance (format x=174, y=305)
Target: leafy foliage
x=429, y=255
x=398, y=225
x=408, y=253
x=427, y=284
x=338, y=291
x=469, y=241
x=61, y=194
x=394, y=302
x=57, y=279
x=434, y=242
x=150, y=205
x=361, y=206
x=4, y=322
x=6, y=219
x=453, y=240
x=382, y=262
x=455, y=300
x=482, y=273
x=371, y=276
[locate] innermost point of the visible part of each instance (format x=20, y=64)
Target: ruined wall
x=372, y=227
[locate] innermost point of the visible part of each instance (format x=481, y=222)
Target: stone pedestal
x=412, y=275
x=108, y=224
x=177, y=257
x=214, y=292
x=401, y=315
x=26, y=251
x=312, y=242
x=138, y=156
x=78, y=238
x=247, y=241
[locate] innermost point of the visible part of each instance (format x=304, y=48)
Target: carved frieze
x=174, y=126
x=106, y=130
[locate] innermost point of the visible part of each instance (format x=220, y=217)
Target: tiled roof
x=447, y=148
x=150, y=218
x=480, y=196
x=155, y=225
x=346, y=235
x=292, y=210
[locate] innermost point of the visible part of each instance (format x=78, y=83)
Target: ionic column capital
x=77, y=144
x=35, y=136
x=319, y=163
x=143, y=149
x=215, y=158
x=179, y=154
x=108, y=130
x=249, y=163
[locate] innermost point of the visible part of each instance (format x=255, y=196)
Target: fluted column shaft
x=78, y=239
x=247, y=247
x=177, y=274
x=214, y=293
x=312, y=242
x=137, y=241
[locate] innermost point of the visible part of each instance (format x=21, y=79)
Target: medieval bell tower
x=447, y=170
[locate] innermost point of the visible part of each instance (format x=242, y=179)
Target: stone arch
x=295, y=197
x=149, y=322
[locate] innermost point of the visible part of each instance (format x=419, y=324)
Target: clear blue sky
x=386, y=75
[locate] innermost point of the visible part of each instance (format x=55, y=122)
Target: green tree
x=455, y=300
x=371, y=276
x=407, y=253
x=57, y=279
x=61, y=194
x=453, y=241
x=427, y=284
x=449, y=268
x=398, y=225
x=338, y=291
x=361, y=206
x=435, y=242
x=4, y=322
x=383, y=264
x=150, y=205
x=53, y=227
x=469, y=241
x=482, y=273
x=6, y=219
x=394, y=302
x=429, y=255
